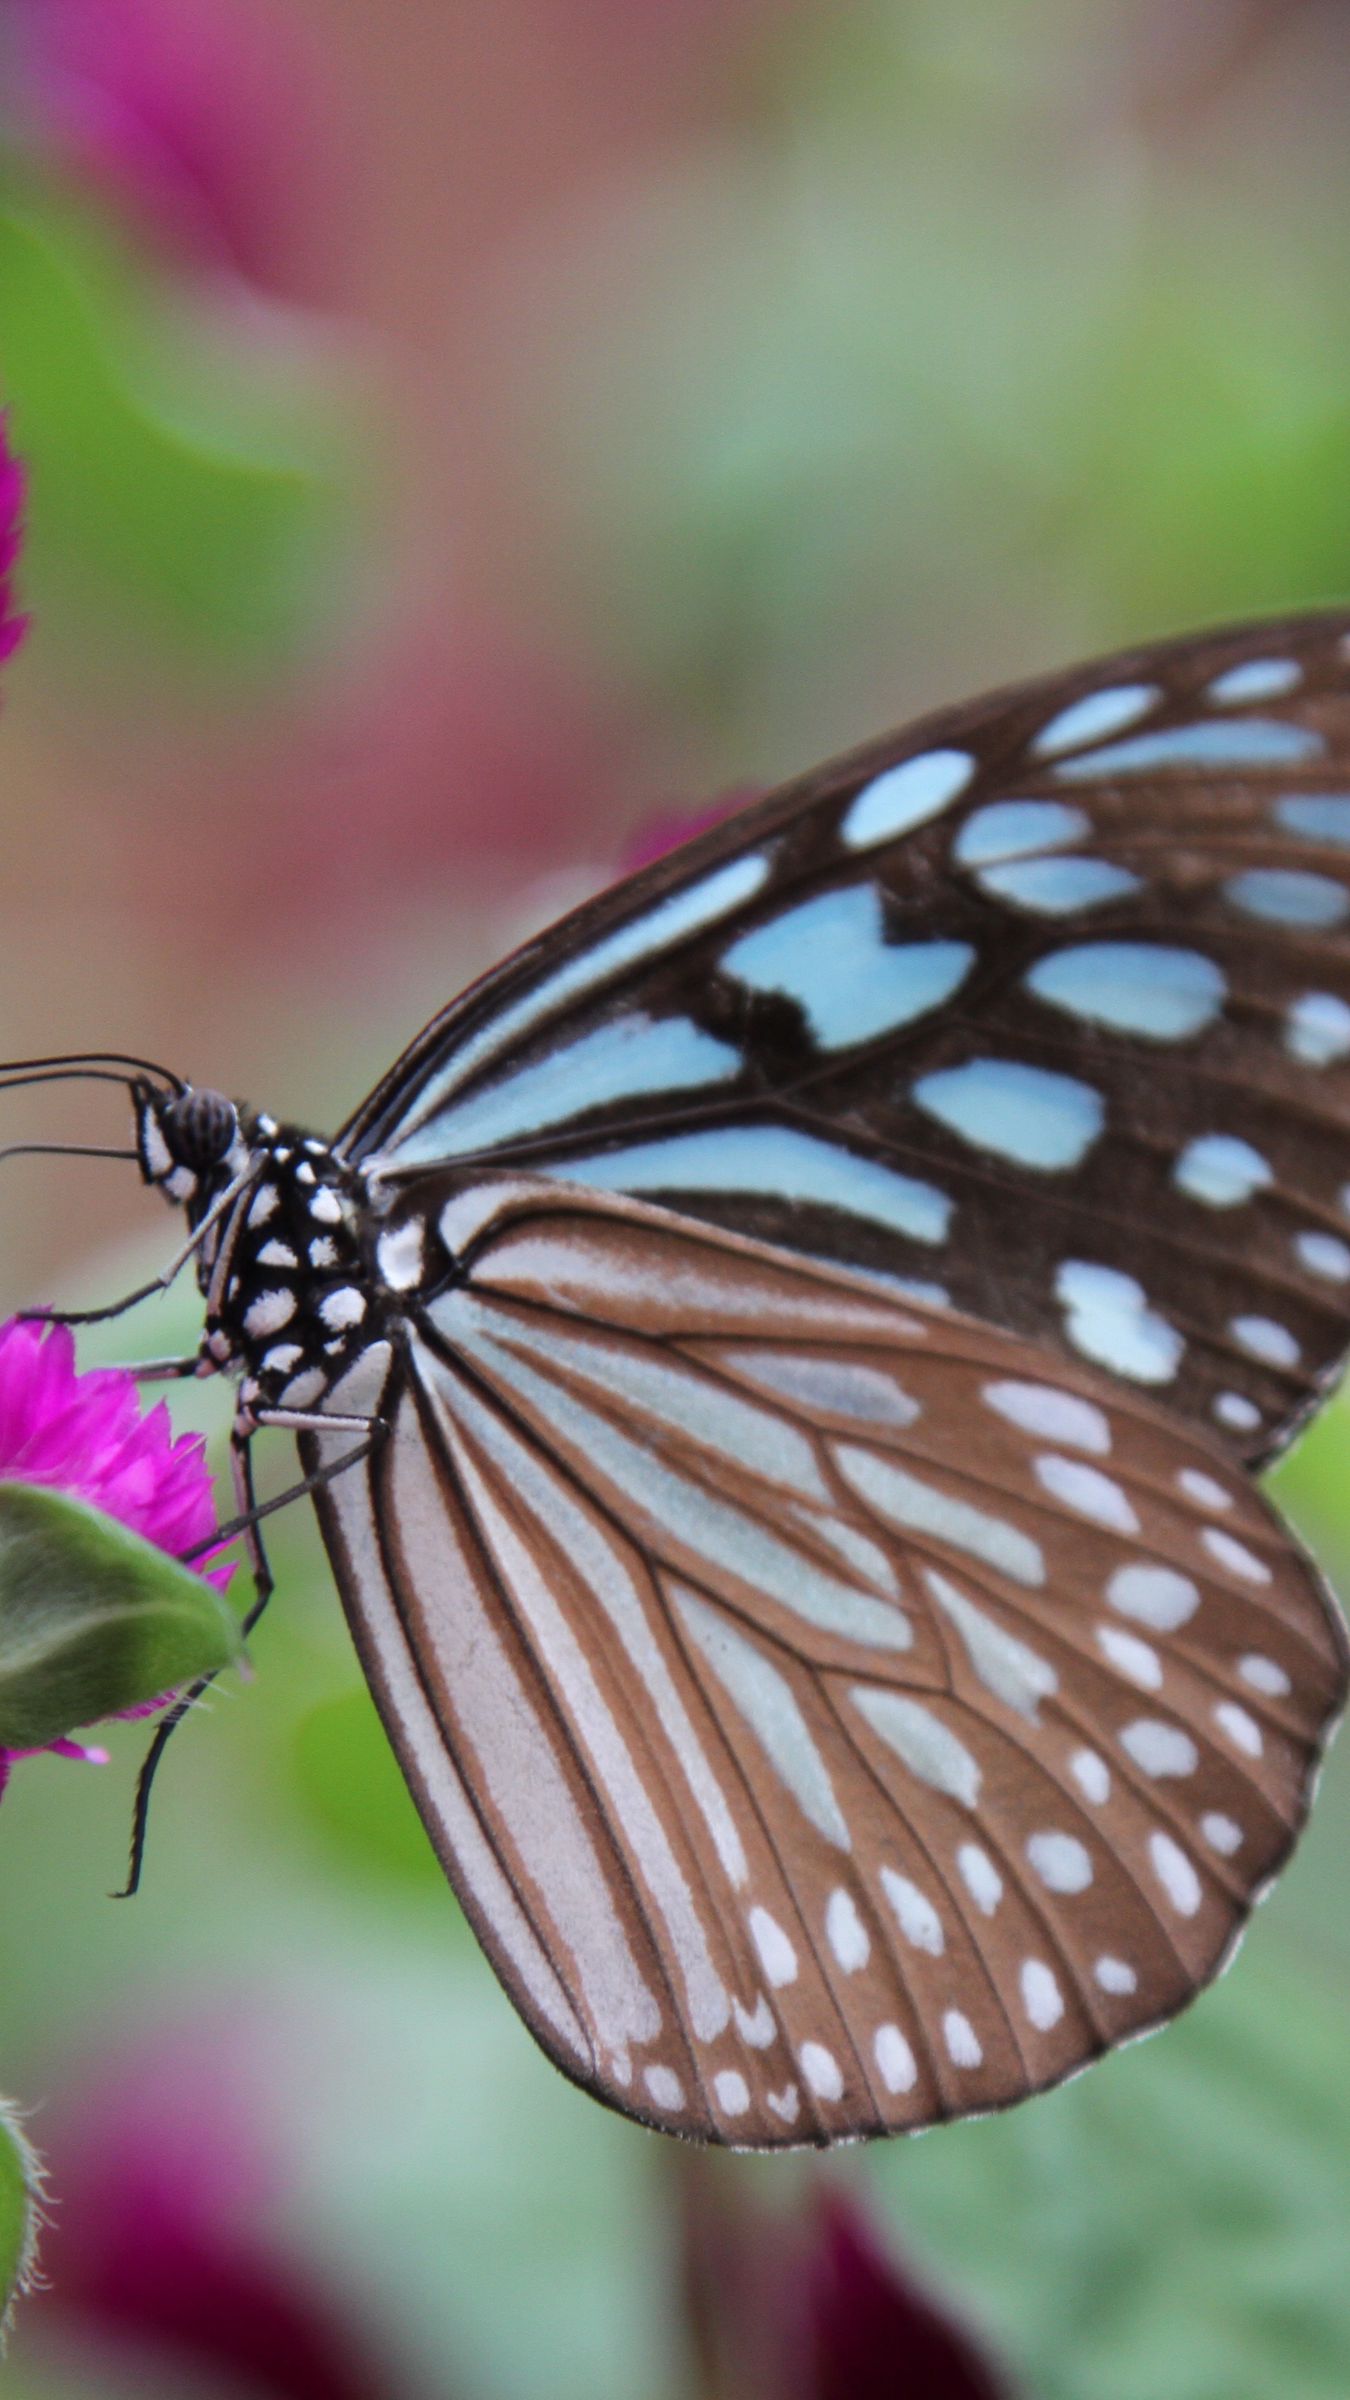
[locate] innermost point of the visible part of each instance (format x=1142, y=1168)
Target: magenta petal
x=664, y=833
x=163, y=2255
x=872, y=2332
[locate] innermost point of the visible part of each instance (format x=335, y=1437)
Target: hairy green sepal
x=93, y=1619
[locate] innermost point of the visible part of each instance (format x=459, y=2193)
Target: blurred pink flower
x=814, y=2304
x=668, y=831
x=203, y=120
x=12, y=626
x=163, y=2255
x=872, y=2329
x=85, y=1435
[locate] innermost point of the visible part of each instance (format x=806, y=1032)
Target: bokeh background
x=459, y=436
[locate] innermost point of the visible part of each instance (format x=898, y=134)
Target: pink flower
x=85, y=1435
x=162, y=2263
x=12, y=626
x=815, y=2304
x=668, y=831
x=207, y=121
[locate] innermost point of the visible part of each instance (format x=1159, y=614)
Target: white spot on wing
x=665, y=2087
x=1156, y=1596
x=1160, y=1749
x=1087, y=1491
x=766, y=1700
x=1265, y=1675
x=1092, y=1775
x=776, y=1954
x=921, y=1507
x=895, y=2059
x=1131, y=1657
x=963, y=2043
x=1241, y=1728
x=846, y=1931
x=921, y=1741
x=914, y=1911
x=980, y=1877
x=1265, y=1338
x=1175, y=1873
x=821, y=2069
x=1052, y=1415
x=1041, y=1996
x=1006, y=1666
x=1230, y=1553
x=1060, y=1860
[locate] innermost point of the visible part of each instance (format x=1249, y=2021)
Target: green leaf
x=93, y=1619
x=21, y=2191
x=181, y=487
x=353, y=1794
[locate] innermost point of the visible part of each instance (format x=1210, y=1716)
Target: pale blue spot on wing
x=830, y=956
x=1133, y=987
x=1255, y=679
x=657, y=929
x=1288, y=896
x=772, y=1159
x=1317, y=1029
x=1058, y=887
x=632, y=1057
x=906, y=795
x=1109, y=1319
x=1221, y=1170
x=1018, y=829
x=1246, y=742
x=771, y=1709
x=1320, y=816
x=1023, y=1113
x=1094, y=717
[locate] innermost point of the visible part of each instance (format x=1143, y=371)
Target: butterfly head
x=188, y=1142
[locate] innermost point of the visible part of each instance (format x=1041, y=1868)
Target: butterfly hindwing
x=1043, y=1004
x=835, y=1714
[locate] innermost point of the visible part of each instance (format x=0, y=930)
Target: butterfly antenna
x=99, y=1066
x=64, y=1150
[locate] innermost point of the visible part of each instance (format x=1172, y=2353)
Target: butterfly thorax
x=290, y=1298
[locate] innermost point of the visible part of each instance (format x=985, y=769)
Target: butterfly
x=781, y=1365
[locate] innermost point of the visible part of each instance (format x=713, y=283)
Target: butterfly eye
x=199, y=1127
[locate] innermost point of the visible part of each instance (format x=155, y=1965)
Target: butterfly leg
x=165, y=1370
x=245, y=1522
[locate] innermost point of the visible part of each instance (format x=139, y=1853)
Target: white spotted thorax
x=293, y=1285
x=816, y=1314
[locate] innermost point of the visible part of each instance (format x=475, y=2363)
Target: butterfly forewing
x=835, y=1714
x=1043, y=1004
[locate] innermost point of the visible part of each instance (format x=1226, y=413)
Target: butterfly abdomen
x=297, y=1301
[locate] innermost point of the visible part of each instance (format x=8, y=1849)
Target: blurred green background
x=458, y=435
